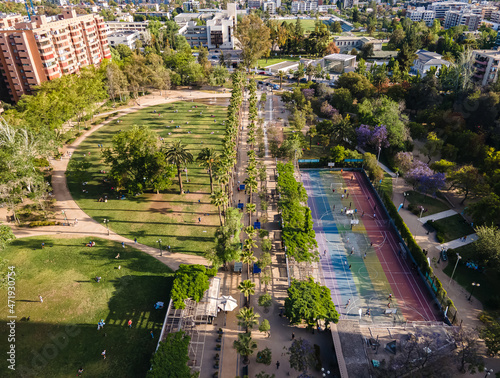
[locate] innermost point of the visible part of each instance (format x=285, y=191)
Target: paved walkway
x=438, y=216
x=80, y=223
x=457, y=243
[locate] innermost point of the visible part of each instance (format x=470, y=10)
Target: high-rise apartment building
x=486, y=64
x=464, y=17
x=46, y=48
x=420, y=14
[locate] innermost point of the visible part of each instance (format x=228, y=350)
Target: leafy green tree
x=117, y=82
x=172, y=357
x=178, y=155
x=486, y=211
x=487, y=246
x=337, y=154
x=302, y=356
x=359, y=86
x=265, y=327
x=136, y=161
x=265, y=259
x=309, y=302
x=247, y=288
x=264, y=356
x=6, y=235
x=247, y=318
x=342, y=100
x=432, y=146
x=266, y=301
x=250, y=209
x=227, y=237
x=336, y=27
x=442, y=166
x=253, y=39
x=245, y=346
x=219, y=199
x=466, y=180
x=491, y=336
x=191, y=281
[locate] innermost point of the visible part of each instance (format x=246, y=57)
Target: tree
x=367, y=50
x=466, y=179
x=487, y=246
x=442, y=166
x=172, y=357
x=486, y=211
x=219, y=199
x=403, y=161
x=6, y=235
x=423, y=178
x=468, y=350
x=406, y=56
x=332, y=49
x=247, y=288
x=266, y=301
x=245, y=346
x=116, y=81
x=281, y=75
x=264, y=356
x=309, y=302
x=432, y=146
x=227, y=237
x=491, y=336
x=337, y=154
x=342, y=100
x=253, y=39
x=247, y=256
x=359, y=86
x=177, y=154
x=265, y=258
x=265, y=327
x=263, y=374
x=207, y=158
x=136, y=161
x=191, y=281
x=247, y=318
x=250, y=209
x=336, y=27
x=302, y=356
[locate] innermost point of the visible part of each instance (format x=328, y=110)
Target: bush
x=264, y=356
x=42, y=223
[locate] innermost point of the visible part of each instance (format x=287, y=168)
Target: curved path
x=87, y=226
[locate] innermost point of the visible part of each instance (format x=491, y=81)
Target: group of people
x=91, y=244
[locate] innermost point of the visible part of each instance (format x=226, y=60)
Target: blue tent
x=256, y=268
x=256, y=225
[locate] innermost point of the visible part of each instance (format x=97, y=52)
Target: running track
x=413, y=298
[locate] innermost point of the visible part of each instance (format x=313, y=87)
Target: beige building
x=486, y=66
x=46, y=48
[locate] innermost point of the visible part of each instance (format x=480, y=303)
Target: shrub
x=42, y=223
x=264, y=356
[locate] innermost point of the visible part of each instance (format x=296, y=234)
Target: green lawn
x=307, y=25
x=432, y=205
x=466, y=276
x=61, y=335
x=268, y=62
x=453, y=227
x=169, y=216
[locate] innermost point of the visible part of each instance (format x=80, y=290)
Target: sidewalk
x=438, y=216
x=458, y=242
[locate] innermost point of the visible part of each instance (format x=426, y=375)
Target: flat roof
x=339, y=57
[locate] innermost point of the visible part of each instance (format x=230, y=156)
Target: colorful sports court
x=362, y=262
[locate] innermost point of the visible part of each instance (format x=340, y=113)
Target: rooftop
x=342, y=57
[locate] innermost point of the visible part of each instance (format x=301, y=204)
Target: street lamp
x=488, y=372
x=405, y=194
x=325, y=373
x=474, y=285
x=379, y=149
x=159, y=245
x=458, y=259
x=106, y=221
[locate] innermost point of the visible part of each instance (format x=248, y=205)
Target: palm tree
x=247, y=318
x=309, y=71
x=218, y=199
x=251, y=208
x=245, y=346
x=247, y=256
x=250, y=231
x=178, y=155
x=207, y=157
x=300, y=73
x=247, y=288
x=281, y=75
x=312, y=132
x=252, y=184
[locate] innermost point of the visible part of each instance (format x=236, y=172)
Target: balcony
x=481, y=62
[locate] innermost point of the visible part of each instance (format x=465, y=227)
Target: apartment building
x=464, y=17
x=440, y=8
x=421, y=14
x=116, y=26
x=304, y=6
x=486, y=12
x=46, y=48
x=350, y=3
x=486, y=66
x=9, y=20
x=127, y=38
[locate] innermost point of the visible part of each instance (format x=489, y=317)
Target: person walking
x=348, y=303
x=277, y=365
x=103, y=354
x=41, y=298
x=123, y=244
x=130, y=323
x=135, y=240
x=293, y=336
x=79, y=372
x=43, y=245
x=152, y=336
x=365, y=256
x=390, y=297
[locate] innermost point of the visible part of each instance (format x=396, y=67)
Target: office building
x=440, y=8
x=127, y=38
x=486, y=66
x=46, y=48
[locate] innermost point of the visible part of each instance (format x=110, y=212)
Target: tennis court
x=361, y=259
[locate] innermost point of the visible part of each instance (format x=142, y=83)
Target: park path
x=77, y=222
x=438, y=216
x=452, y=244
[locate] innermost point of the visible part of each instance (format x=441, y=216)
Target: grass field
x=432, y=205
x=61, y=335
x=307, y=25
x=169, y=216
x=263, y=63
x=453, y=227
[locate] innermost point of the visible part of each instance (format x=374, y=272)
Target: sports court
x=361, y=259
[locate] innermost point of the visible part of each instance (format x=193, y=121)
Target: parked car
x=214, y=57
x=261, y=82
x=262, y=72
x=444, y=257
x=276, y=86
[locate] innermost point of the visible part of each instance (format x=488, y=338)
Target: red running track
x=413, y=297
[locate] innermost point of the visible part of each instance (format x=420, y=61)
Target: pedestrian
x=347, y=195
x=345, y=191
x=103, y=353
x=277, y=365
x=389, y=305
x=352, y=178
x=465, y=237
x=374, y=215
x=333, y=209
x=350, y=203
x=363, y=214
x=348, y=240
x=349, y=266
x=123, y=244
x=371, y=244
x=293, y=336
x=168, y=248
x=152, y=336
x=135, y=240
x=117, y=256
x=199, y=220
x=365, y=256
x=390, y=297
x=324, y=252
x=352, y=250
x=43, y=245
x=342, y=196
x=199, y=201
x=79, y=372
x=367, y=312
x=348, y=303
x=41, y=298
x=76, y=221
x=130, y=323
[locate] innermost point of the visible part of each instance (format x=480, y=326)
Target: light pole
x=379, y=149
x=488, y=372
x=106, y=221
x=474, y=285
x=405, y=194
x=159, y=245
x=419, y=217
x=458, y=259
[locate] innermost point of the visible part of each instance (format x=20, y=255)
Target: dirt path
x=77, y=222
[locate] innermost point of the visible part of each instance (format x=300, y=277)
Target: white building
x=425, y=60
x=190, y=6
x=440, y=8
x=486, y=66
x=127, y=38
x=304, y=6
x=464, y=17
x=421, y=14
x=269, y=6
x=350, y=3
x=346, y=43
x=114, y=26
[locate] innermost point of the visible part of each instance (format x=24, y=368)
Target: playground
x=367, y=270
